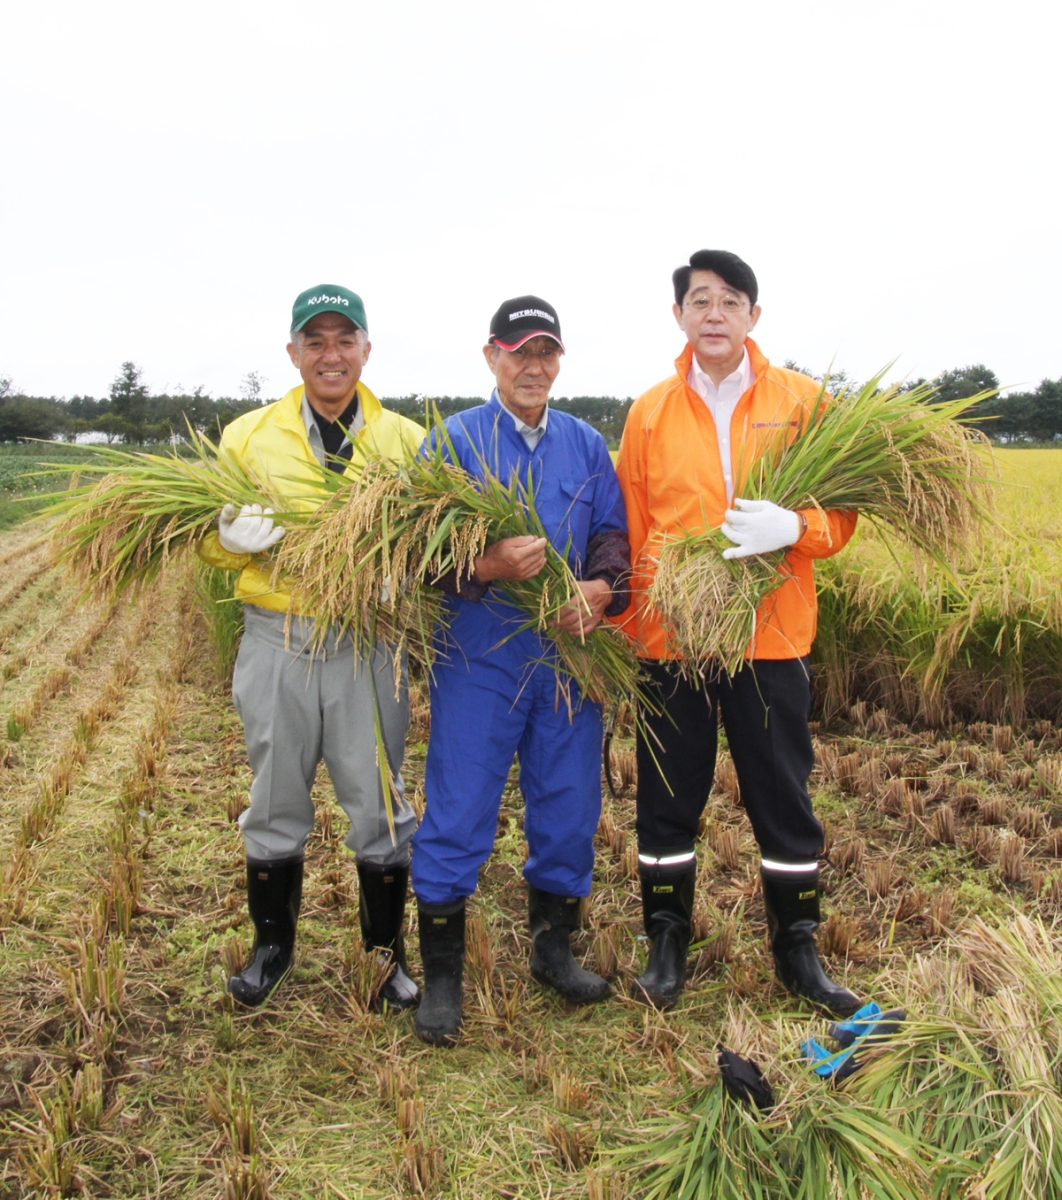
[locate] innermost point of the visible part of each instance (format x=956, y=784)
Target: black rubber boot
x=792, y=903
x=553, y=920
x=667, y=907
x=442, y=955
x=274, y=893
x=382, y=908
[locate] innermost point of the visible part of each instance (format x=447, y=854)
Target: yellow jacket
x=272, y=441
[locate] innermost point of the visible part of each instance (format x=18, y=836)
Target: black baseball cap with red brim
x=522, y=318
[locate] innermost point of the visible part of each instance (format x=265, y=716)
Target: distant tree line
x=131, y=414
x=1034, y=416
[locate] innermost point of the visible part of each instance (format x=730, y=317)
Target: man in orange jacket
x=687, y=446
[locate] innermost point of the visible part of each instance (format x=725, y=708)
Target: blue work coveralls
x=492, y=698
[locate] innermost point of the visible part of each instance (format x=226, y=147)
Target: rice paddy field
x=126, y=1072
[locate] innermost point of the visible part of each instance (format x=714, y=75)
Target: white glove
x=249, y=533
x=758, y=527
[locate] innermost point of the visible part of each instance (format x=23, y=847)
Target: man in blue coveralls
x=492, y=693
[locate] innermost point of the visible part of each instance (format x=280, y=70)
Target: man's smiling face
x=330, y=352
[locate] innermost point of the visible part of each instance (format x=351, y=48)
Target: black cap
x=523, y=318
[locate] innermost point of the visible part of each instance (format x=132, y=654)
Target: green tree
x=129, y=398
x=606, y=414
x=114, y=427
x=202, y=410
x=961, y=382
x=839, y=380
x=1026, y=416
x=87, y=408
x=29, y=417
x=1046, y=418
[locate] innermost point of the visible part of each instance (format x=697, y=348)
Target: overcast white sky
x=174, y=174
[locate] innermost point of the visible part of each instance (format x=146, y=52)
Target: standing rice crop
x=223, y=617
x=901, y=459
x=981, y=643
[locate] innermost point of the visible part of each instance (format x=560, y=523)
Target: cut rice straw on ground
x=899, y=459
x=964, y=1102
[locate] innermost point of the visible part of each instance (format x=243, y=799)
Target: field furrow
x=40, y=563
x=60, y=703
x=19, y=544
x=85, y=891
x=29, y=626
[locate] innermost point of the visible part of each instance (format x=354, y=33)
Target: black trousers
x=765, y=710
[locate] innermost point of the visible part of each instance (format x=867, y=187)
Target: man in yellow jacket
x=299, y=705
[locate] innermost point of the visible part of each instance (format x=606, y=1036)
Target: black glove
x=744, y=1080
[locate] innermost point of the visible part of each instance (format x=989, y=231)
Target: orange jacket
x=672, y=482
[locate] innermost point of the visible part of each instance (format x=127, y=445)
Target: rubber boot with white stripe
x=668, y=887
x=791, y=898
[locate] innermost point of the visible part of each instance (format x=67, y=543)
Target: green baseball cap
x=327, y=297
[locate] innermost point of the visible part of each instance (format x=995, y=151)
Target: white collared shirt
x=532, y=434
x=314, y=434
x=721, y=402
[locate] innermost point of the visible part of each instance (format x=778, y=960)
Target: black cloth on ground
x=744, y=1080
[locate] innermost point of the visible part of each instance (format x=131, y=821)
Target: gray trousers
x=298, y=707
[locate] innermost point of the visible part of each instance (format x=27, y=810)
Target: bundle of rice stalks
x=122, y=529
x=816, y=1142
x=899, y=459
x=370, y=549
x=358, y=551
x=995, y=1060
